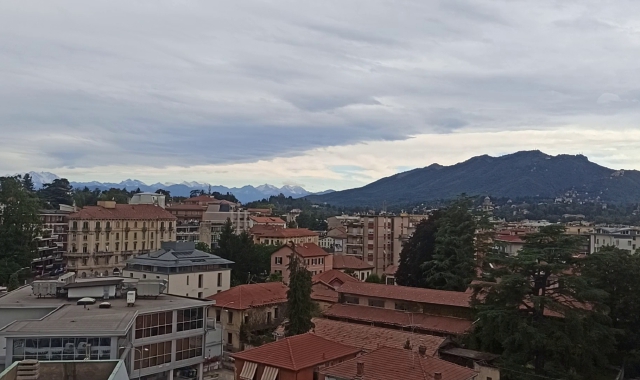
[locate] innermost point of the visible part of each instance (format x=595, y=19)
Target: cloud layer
x=327, y=94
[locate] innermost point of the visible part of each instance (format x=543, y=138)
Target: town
x=150, y=287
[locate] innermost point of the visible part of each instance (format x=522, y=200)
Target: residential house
x=188, y=271
x=334, y=240
x=272, y=235
x=259, y=307
x=395, y=363
x=101, y=238
x=626, y=238
x=312, y=257
x=266, y=221
x=300, y=357
x=482, y=362
x=390, y=274
x=353, y=266
x=324, y=289
x=509, y=244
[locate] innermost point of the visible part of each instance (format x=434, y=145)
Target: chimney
x=359, y=369
x=422, y=349
x=437, y=376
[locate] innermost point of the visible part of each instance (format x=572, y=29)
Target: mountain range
x=521, y=174
x=244, y=194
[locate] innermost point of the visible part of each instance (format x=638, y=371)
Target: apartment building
x=312, y=257
x=216, y=216
x=272, y=235
x=157, y=337
x=103, y=237
x=52, y=242
x=188, y=271
x=626, y=238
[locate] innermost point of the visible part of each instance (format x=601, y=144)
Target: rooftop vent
x=104, y=305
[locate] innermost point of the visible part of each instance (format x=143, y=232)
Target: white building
x=148, y=199
x=188, y=271
x=626, y=238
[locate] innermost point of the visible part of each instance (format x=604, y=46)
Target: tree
x=374, y=278
x=202, y=246
x=453, y=264
x=541, y=316
x=195, y=192
x=164, y=192
x=13, y=283
x=300, y=306
x=27, y=183
x=417, y=251
x=20, y=224
x=617, y=272
x=292, y=224
x=56, y=193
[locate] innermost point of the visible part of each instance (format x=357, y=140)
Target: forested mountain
x=521, y=174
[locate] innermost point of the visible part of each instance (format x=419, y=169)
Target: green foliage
x=453, y=264
x=166, y=193
x=618, y=273
x=275, y=277
x=27, y=183
x=536, y=316
x=13, y=283
x=418, y=250
x=252, y=261
x=374, y=278
x=56, y=193
x=19, y=227
x=300, y=306
x=120, y=196
x=202, y=246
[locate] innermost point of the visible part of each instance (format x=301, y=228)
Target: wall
x=285, y=252
x=94, y=291
x=254, y=314
x=486, y=373
x=444, y=310
x=177, y=283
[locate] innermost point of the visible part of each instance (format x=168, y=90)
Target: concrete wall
x=177, y=283
x=81, y=370
x=9, y=315
x=486, y=373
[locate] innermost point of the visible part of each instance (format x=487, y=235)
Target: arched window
x=83, y=275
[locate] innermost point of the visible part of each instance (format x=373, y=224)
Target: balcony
x=103, y=253
x=77, y=254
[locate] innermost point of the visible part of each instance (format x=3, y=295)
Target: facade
x=271, y=235
x=101, y=238
x=259, y=307
x=352, y=265
x=626, y=238
x=215, y=217
x=155, y=337
x=188, y=272
x=312, y=257
x=52, y=243
x=335, y=240
x=300, y=357
x=189, y=217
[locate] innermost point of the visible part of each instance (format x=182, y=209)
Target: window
x=268, y=317
x=229, y=316
x=229, y=338
x=351, y=299
x=135, y=225
x=153, y=355
x=200, y=280
x=199, y=294
x=85, y=237
x=246, y=319
x=190, y=319
x=116, y=259
x=376, y=303
x=144, y=276
x=188, y=348
x=130, y=274
x=362, y=276
x=278, y=260
x=219, y=279
x=218, y=312
x=187, y=279
x=117, y=246
x=275, y=313
x=61, y=348
x=155, y=324
x=135, y=236
x=84, y=248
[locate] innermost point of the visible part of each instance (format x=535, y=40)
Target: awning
x=248, y=370
x=269, y=373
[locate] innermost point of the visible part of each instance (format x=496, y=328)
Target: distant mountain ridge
x=521, y=174
x=244, y=194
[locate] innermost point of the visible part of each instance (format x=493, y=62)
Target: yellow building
x=101, y=238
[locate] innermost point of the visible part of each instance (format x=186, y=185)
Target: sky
x=323, y=94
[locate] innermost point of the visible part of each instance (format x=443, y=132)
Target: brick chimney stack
x=359, y=369
x=437, y=376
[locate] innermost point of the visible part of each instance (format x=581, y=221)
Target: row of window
x=86, y=225
x=62, y=348
x=85, y=247
x=156, y=324
x=85, y=237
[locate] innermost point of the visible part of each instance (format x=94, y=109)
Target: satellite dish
x=86, y=301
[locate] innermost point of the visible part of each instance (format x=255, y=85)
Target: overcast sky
x=326, y=94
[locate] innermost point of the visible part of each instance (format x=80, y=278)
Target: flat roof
x=69, y=319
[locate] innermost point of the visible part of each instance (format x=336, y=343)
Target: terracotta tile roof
x=370, y=338
x=267, y=220
x=405, y=293
x=297, y=352
x=279, y=232
x=337, y=233
x=321, y=291
x=251, y=295
x=181, y=207
x=303, y=250
x=349, y=262
x=123, y=212
x=334, y=277
x=393, y=363
x=266, y=211
x=426, y=322
x=200, y=198
x=391, y=270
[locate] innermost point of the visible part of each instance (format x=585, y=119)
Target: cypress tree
x=300, y=306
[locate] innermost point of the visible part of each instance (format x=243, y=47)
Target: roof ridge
x=293, y=362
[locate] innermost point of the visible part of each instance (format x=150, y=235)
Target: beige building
x=216, y=216
x=101, y=238
x=188, y=271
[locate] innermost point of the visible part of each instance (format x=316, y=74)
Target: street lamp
x=134, y=359
x=222, y=331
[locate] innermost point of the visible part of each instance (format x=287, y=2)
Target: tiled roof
x=509, y=238
x=182, y=207
x=251, y=295
x=370, y=338
x=303, y=250
x=297, y=352
x=334, y=277
x=123, y=212
x=279, y=232
x=337, y=233
x=391, y=270
x=394, y=363
x=405, y=293
x=426, y=322
x=201, y=198
x=349, y=262
x=267, y=220
x=321, y=291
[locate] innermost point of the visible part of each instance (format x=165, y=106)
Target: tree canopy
x=300, y=306
x=418, y=250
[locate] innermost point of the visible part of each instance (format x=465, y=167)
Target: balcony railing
x=77, y=254
x=104, y=253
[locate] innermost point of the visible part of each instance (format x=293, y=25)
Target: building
x=390, y=274
x=333, y=277
x=396, y=363
x=103, y=237
x=259, y=307
x=271, y=235
x=369, y=338
x=335, y=240
x=324, y=287
x=266, y=221
x=52, y=243
x=626, y=238
x=155, y=336
x=216, y=216
x=482, y=362
x=188, y=271
x=153, y=199
x=299, y=357
x=312, y=257
x=190, y=214
x=508, y=244
x=60, y=370
x=353, y=266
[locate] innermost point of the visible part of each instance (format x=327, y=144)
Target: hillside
x=521, y=174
